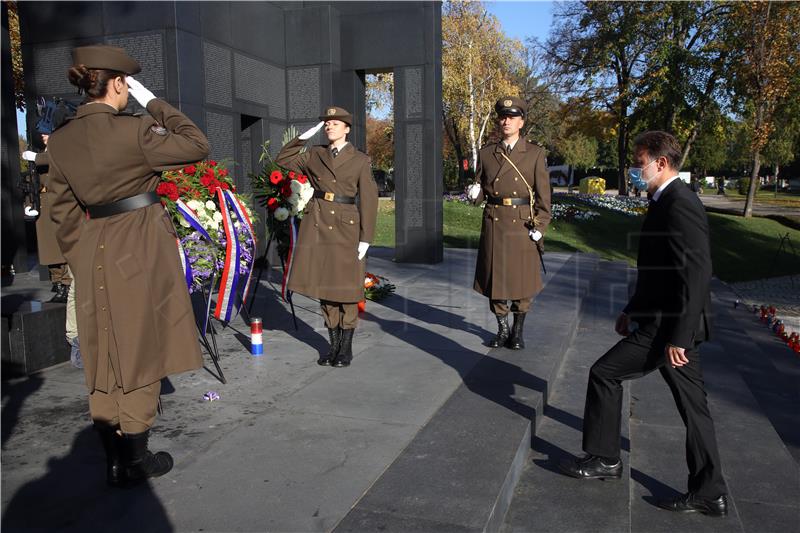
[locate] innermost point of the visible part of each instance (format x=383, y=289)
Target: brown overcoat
x=49, y=252
x=508, y=266
x=325, y=263
x=132, y=303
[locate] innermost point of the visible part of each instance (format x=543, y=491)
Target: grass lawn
x=741, y=249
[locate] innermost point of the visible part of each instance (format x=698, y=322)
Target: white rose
x=194, y=205
x=217, y=217
x=211, y=206
x=281, y=214
x=293, y=199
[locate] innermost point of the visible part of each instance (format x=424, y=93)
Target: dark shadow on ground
x=73, y=496
x=14, y=396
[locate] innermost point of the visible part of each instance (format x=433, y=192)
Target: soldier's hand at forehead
x=311, y=132
x=139, y=91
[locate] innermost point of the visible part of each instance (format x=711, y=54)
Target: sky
x=520, y=20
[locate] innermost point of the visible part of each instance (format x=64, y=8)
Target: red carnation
x=272, y=204
x=286, y=190
x=276, y=177
x=302, y=178
x=191, y=169
x=224, y=186
x=205, y=181
x=168, y=189
x=223, y=172
x=291, y=174
x=212, y=163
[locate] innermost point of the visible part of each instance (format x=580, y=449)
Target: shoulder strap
x=528, y=185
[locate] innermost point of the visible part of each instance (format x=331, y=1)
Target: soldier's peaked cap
x=337, y=113
x=511, y=106
x=100, y=56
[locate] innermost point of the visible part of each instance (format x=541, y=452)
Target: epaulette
x=129, y=114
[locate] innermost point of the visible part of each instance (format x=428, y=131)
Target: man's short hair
x=659, y=144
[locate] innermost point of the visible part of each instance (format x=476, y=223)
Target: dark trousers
x=633, y=357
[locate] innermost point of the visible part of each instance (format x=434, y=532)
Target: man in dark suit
x=671, y=307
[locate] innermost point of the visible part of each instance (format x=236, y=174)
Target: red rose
x=212, y=163
x=223, y=172
x=291, y=174
x=276, y=177
x=272, y=204
x=224, y=186
x=302, y=178
x=191, y=169
x=286, y=190
x=206, y=180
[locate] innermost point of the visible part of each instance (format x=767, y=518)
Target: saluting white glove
x=311, y=132
x=473, y=191
x=27, y=155
x=139, y=91
x=535, y=235
x=362, y=250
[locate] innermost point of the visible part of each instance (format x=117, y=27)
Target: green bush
x=743, y=185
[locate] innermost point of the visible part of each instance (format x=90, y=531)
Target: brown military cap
x=511, y=106
x=105, y=57
x=337, y=113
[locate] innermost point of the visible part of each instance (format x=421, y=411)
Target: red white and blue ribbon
x=191, y=217
x=241, y=214
x=187, y=267
x=287, y=271
x=230, y=272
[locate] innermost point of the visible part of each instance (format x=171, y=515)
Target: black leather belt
x=123, y=206
x=330, y=197
x=495, y=200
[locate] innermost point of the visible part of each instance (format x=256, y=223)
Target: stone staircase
x=486, y=460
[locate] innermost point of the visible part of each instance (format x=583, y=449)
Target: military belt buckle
x=329, y=196
x=507, y=201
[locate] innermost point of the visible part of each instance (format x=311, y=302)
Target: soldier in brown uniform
x=336, y=231
x=135, y=320
x=512, y=177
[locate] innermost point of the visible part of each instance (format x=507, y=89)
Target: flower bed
x=627, y=205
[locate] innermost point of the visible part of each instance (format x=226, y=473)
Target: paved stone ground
x=782, y=292
x=737, y=206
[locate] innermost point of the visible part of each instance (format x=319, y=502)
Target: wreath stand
x=264, y=266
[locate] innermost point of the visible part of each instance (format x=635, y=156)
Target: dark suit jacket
x=674, y=268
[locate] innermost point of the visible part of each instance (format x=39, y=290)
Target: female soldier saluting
x=335, y=234
x=135, y=319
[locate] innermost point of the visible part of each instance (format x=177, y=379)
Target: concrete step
x=459, y=472
x=762, y=477
x=546, y=500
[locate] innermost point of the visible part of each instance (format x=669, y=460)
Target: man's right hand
x=311, y=132
x=623, y=324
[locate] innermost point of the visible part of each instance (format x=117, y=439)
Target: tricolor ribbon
x=287, y=271
x=241, y=214
x=230, y=273
x=191, y=217
x=187, y=267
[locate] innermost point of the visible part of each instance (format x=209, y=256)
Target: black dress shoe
x=591, y=467
x=692, y=503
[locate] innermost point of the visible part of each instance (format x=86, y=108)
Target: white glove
x=535, y=235
x=139, y=92
x=473, y=191
x=27, y=155
x=31, y=212
x=362, y=250
x=311, y=132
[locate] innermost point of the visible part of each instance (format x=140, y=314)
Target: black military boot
x=61, y=294
x=335, y=335
x=140, y=463
x=516, y=342
x=502, y=332
x=55, y=287
x=345, y=354
x=112, y=444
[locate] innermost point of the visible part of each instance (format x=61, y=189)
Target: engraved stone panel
x=50, y=70
x=261, y=83
x=218, y=74
x=148, y=50
x=219, y=130
x=246, y=162
x=275, y=138
x=304, y=93
x=413, y=83
x=414, y=186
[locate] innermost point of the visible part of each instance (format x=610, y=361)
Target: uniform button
x=513, y=207
x=514, y=193
x=333, y=212
x=496, y=219
x=99, y=267
x=351, y=222
x=105, y=329
x=513, y=220
x=103, y=308
x=496, y=193
x=101, y=287
x=330, y=227
x=316, y=225
x=334, y=180
x=102, y=246
x=515, y=179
